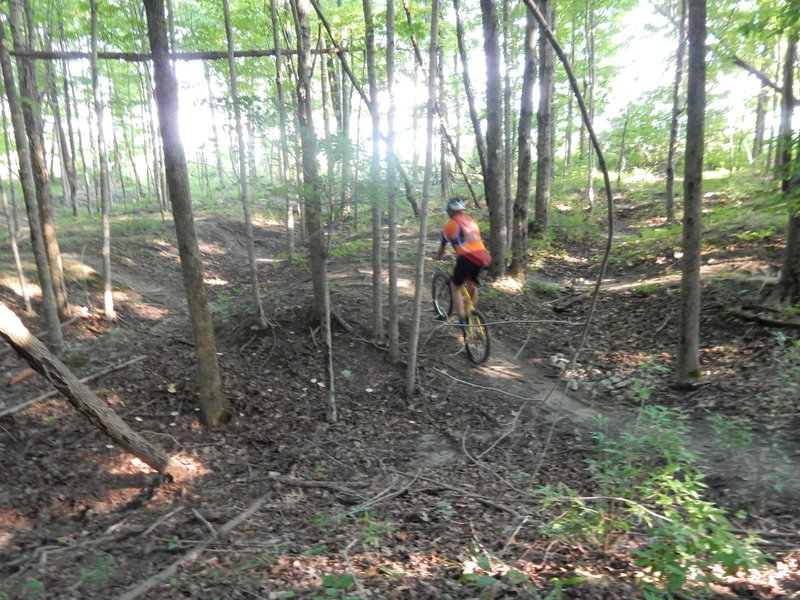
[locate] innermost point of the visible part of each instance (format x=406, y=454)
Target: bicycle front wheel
x=442, y=295
x=476, y=337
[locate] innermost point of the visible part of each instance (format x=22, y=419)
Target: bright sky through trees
x=644, y=63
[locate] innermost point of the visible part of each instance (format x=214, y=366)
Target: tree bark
x=171, y=56
x=105, y=191
x=669, y=198
x=55, y=337
x=519, y=237
x=788, y=290
x=394, y=317
x=591, y=67
x=78, y=395
x=508, y=122
x=9, y=212
x=374, y=174
x=544, y=125
x=493, y=180
x=69, y=176
x=214, y=407
x=282, y=124
x=313, y=202
x=29, y=94
x=413, y=341
x=473, y=112
x=244, y=185
x=688, y=360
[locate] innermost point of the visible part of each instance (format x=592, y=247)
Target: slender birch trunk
x=419, y=278
x=244, y=185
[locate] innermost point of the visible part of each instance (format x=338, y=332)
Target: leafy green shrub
x=648, y=480
x=357, y=248
x=19, y=589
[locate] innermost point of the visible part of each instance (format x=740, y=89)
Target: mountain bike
x=476, y=332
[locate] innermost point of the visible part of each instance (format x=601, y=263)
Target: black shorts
x=465, y=269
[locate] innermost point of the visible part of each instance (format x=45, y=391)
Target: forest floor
x=436, y=496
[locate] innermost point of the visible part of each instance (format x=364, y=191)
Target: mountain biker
x=471, y=255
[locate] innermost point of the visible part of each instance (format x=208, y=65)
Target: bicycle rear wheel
x=442, y=295
x=476, y=337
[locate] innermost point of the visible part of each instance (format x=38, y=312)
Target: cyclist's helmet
x=455, y=204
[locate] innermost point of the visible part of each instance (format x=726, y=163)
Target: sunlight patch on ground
x=508, y=284
x=711, y=269
x=191, y=467
x=215, y=281
x=12, y=282
x=148, y=311
x=271, y=261
x=501, y=369
x=405, y=286
x=10, y=523
x=211, y=248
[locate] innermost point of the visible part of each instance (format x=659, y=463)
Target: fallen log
x=81, y=397
x=746, y=315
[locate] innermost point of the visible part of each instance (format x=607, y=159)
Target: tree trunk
x=394, y=317
x=73, y=156
x=29, y=95
x=212, y=106
x=788, y=290
x=761, y=117
x=570, y=101
x=105, y=192
x=313, y=202
x=79, y=396
x=519, y=237
x=9, y=212
x=413, y=340
x=688, y=361
x=544, y=125
x=55, y=336
x=214, y=407
x=374, y=174
x=244, y=185
x=508, y=122
x=669, y=198
x=69, y=177
x=282, y=121
x=493, y=180
x=473, y=112
x=591, y=65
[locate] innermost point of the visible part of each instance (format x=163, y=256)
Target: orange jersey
x=465, y=236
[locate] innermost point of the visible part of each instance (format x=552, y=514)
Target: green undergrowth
x=646, y=496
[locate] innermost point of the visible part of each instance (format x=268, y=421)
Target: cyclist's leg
x=472, y=282
x=460, y=275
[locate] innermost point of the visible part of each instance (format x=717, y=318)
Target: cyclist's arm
x=442, y=246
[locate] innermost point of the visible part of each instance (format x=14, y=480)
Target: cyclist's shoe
x=462, y=322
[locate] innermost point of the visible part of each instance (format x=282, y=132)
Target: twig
x=386, y=494
x=86, y=379
x=749, y=316
x=205, y=522
x=477, y=497
x=482, y=387
x=362, y=593
x=328, y=485
x=149, y=583
x=157, y=523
